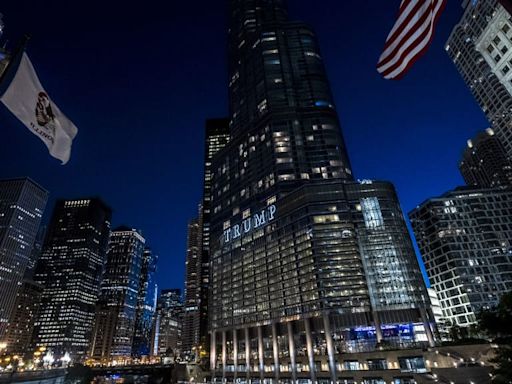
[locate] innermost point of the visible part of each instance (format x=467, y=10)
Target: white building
x=480, y=46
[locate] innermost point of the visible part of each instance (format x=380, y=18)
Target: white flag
x=26, y=98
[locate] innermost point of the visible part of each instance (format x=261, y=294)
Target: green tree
x=497, y=323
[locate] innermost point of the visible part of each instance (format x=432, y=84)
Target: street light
x=65, y=359
x=48, y=359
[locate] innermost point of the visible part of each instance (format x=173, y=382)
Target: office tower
x=464, y=237
x=169, y=324
x=36, y=252
x=69, y=270
x=484, y=162
x=146, y=305
x=18, y=335
x=114, y=325
x=191, y=317
x=22, y=203
x=480, y=46
x=437, y=310
x=306, y=263
x=217, y=136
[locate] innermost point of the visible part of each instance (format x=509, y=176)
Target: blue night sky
x=139, y=81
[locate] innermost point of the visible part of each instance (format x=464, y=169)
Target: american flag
x=410, y=37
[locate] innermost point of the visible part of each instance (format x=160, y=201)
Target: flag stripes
x=410, y=37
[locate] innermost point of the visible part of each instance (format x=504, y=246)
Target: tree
x=497, y=323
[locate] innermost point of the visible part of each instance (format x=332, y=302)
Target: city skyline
x=183, y=189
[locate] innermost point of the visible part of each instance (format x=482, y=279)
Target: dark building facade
x=484, y=162
x=114, y=325
x=217, y=135
x=306, y=263
x=69, y=271
x=193, y=267
x=146, y=306
x=168, y=326
x=18, y=335
x=465, y=239
x=22, y=203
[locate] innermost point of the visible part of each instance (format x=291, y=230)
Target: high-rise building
x=114, y=325
x=197, y=281
x=465, y=239
x=484, y=162
x=192, y=316
x=22, y=203
x=306, y=263
x=146, y=305
x=437, y=310
x=217, y=136
x=480, y=46
x=18, y=335
x=168, y=326
x=69, y=270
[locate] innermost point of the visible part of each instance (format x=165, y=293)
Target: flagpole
x=14, y=59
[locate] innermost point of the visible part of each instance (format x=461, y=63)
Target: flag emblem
x=44, y=114
x=30, y=103
x=410, y=37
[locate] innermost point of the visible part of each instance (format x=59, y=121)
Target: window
x=412, y=364
x=372, y=213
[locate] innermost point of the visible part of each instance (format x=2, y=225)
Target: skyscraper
x=484, y=162
x=480, y=46
x=217, y=136
x=22, y=203
x=146, y=305
x=114, y=325
x=169, y=323
x=465, y=239
x=192, y=316
x=18, y=335
x=69, y=270
x=198, y=275
x=306, y=263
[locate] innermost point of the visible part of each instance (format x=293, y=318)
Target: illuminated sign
x=250, y=224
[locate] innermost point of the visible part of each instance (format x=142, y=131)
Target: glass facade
x=465, y=239
x=146, y=306
x=305, y=263
x=484, y=162
x=115, y=321
x=22, y=203
x=69, y=270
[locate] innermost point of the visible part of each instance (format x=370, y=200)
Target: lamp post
x=48, y=360
x=66, y=359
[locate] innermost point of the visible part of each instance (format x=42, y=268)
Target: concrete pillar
x=224, y=356
x=235, y=352
x=428, y=330
x=275, y=349
x=330, y=348
x=311, y=352
x=247, y=354
x=291, y=350
x=378, y=329
x=260, y=352
x=213, y=352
